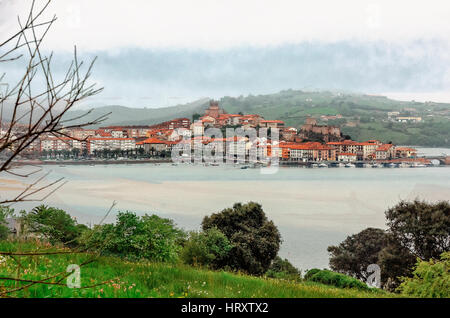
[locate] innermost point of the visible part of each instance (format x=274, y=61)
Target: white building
x=98, y=144
x=347, y=157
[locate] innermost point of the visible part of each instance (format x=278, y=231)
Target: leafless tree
x=38, y=106
x=38, y=103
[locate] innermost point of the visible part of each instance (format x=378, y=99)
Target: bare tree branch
x=37, y=114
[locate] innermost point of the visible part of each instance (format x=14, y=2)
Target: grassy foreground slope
x=119, y=278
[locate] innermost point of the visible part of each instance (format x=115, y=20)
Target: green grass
x=146, y=279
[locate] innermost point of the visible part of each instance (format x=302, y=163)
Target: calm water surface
x=313, y=208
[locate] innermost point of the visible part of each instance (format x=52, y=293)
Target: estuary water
x=313, y=208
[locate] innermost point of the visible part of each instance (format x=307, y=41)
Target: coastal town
x=312, y=144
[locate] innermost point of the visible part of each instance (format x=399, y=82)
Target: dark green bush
x=283, y=269
x=357, y=252
x=255, y=239
x=207, y=248
x=328, y=277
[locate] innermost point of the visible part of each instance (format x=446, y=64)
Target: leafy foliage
x=5, y=212
x=206, y=248
x=53, y=224
x=421, y=227
x=311, y=272
x=255, y=239
x=430, y=279
x=415, y=229
x=335, y=279
x=358, y=251
x=395, y=261
x=147, y=237
x=283, y=269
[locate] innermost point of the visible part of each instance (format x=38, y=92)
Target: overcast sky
x=155, y=53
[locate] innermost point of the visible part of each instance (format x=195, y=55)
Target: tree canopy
x=255, y=239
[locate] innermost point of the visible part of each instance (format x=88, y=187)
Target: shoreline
x=444, y=162
x=88, y=162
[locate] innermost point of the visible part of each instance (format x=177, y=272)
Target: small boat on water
x=377, y=165
x=404, y=165
x=340, y=165
x=367, y=165
x=244, y=167
x=418, y=165
x=350, y=165
x=215, y=164
x=391, y=165
x=323, y=165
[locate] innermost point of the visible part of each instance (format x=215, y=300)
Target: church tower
x=214, y=109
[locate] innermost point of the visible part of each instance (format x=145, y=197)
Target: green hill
x=363, y=116
x=114, y=277
x=121, y=115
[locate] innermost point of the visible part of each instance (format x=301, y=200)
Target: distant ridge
x=363, y=116
x=121, y=115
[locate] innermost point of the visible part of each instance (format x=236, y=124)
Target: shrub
x=328, y=277
x=311, y=272
x=53, y=224
x=5, y=212
x=283, y=269
x=430, y=279
x=255, y=239
x=133, y=237
x=207, y=248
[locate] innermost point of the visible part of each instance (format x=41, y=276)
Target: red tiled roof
x=405, y=149
x=384, y=147
x=152, y=141
x=272, y=121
